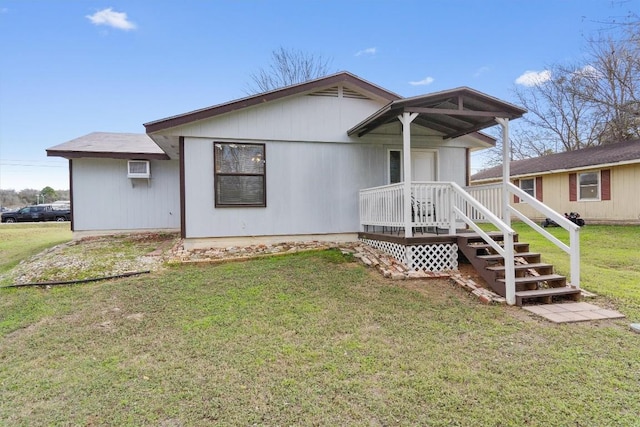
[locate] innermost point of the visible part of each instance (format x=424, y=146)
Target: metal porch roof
x=454, y=112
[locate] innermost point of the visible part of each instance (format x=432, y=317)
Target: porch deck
x=424, y=250
x=419, y=237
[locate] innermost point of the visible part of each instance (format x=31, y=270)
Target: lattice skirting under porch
x=431, y=257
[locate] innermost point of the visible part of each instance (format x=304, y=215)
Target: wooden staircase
x=535, y=281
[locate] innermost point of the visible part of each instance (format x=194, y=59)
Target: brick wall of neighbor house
x=623, y=205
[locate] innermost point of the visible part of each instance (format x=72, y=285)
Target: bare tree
x=560, y=111
x=594, y=102
x=611, y=83
x=525, y=142
x=287, y=67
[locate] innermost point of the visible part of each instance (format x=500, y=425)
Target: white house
x=288, y=164
x=327, y=159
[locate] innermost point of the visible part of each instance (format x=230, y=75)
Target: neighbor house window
x=531, y=186
x=395, y=166
x=528, y=186
x=240, y=178
x=589, y=186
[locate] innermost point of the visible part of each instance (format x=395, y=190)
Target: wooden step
x=517, y=247
x=533, y=265
x=546, y=295
x=488, y=246
x=465, y=238
x=497, y=257
x=536, y=279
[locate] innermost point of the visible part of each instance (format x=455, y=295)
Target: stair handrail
x=507, y=252
x=573, y=249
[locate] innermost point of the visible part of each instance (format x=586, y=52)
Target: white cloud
x=367, y=51
x=481, y=71
x=423, y=82
x=112, y=19
x=588, y=71
x=533, y=78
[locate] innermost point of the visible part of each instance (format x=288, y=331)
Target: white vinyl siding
x=312, y=188
x=104, y=198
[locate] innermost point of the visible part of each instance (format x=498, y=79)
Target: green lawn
x=305, y=339
x=20, y=241
x=610, y=261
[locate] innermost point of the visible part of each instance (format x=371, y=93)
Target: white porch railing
x=384, y=206
x=442, y=205
x=490, y=196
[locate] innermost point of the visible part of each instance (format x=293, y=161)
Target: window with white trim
x=528, y=185
x=239, y=175
x=589, y=186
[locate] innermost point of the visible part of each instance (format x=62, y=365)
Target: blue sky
x=68, y=68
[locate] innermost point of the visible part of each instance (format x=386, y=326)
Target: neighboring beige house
x=601, y=183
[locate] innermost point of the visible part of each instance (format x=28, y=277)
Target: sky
x=68, y=68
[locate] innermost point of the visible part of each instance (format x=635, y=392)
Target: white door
x=423, y=165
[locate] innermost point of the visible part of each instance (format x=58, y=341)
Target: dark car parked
x=37, y=213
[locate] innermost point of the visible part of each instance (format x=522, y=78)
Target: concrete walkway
x=572, y=312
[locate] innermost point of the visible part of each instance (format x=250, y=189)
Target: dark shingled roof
x=621, y=152
x=110, y=145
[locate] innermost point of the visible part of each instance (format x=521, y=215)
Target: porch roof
x=454, y=112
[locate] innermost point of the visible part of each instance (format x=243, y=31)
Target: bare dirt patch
x=94, y=257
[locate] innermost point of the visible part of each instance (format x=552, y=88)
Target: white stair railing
x=466, y=205
x=448, y=203
x=573, y=249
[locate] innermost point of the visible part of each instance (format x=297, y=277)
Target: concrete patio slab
x=572, y=312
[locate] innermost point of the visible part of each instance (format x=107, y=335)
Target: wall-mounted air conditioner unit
x=138, y=169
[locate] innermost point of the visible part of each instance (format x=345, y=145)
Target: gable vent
x=348, y=93
x=332, y=91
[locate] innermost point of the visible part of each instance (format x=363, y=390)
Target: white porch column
x=506, y=169
x=509, y=262
x=406, y=119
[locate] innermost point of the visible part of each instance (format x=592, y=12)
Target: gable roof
x=323, y=82
x=454, y=112
x=602, y=155
x=110, y=145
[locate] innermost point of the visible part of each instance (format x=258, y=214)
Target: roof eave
x=555, y=171
x=106, y=155
x=208, y=112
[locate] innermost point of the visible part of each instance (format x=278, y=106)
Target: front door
x=423, y=165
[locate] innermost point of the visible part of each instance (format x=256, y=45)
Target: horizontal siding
x=104, y=198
